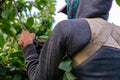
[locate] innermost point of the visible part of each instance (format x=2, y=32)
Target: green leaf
x=70, y=76
x=17, y=77
x=118, y=2
x=30, y=21
x=65, y=65
x=64, y=77
x=2, y=41
x=43, y=37
x=18, y=55
x=5, y=13
x=12, y=15
x=7, y=30
x=30, y=6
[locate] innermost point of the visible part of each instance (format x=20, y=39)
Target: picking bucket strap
x=96, y=42
x=116, y=33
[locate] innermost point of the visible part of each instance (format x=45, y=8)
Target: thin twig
x=15, y=7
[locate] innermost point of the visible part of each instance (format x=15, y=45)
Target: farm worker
x=71, y=37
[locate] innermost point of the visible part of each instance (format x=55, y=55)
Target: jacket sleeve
x=45, y=66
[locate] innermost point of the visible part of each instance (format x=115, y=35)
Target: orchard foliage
x=15, y=15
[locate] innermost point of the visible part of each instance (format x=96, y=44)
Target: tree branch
x=15, y=7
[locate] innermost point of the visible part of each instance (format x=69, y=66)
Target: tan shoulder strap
x=116, y=33
x=95, y=43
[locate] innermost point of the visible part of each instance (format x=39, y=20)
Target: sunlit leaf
x=43, y=37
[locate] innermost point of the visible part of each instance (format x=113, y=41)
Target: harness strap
x=96, y=42
x=116, y=33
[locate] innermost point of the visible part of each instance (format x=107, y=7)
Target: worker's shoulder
x=72, y=23
x=72, y=26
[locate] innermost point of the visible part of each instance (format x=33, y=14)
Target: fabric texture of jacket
x=71, y=36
